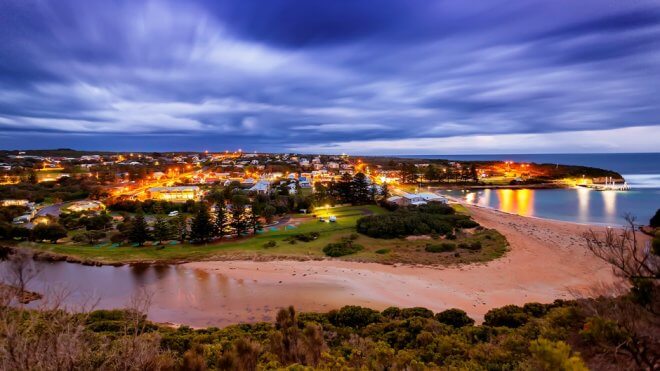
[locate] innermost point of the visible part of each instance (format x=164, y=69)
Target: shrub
x=466, y=223
x=382, y=251
x=454, y=317
x=655, y=220
x=656, y=245
x=476, y=245
x=463, y=245
x=443, y=247
x=342, y=248
x=416, y=312
x=118, y=238
x=353, y=316
x=508, y=316
x=270, y=244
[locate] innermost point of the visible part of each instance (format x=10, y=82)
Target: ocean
x=641, y=171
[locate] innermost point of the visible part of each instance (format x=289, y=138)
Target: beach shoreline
x=548, y=260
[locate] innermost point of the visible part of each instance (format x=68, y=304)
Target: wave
x=643, y=180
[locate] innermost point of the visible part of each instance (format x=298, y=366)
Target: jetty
x=610, y=184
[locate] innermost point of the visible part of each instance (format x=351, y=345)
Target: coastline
x=548, y=260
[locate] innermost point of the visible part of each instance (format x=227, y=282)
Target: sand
x=547, y=260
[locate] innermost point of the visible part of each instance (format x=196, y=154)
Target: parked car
x=173, y=213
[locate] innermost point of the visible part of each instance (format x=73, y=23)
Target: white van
x=173, y=213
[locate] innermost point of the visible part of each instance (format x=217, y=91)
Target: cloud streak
x=310, y=75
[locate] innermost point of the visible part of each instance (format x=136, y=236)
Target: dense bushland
x=427, y=219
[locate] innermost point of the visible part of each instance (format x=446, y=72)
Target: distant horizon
x=329, y=153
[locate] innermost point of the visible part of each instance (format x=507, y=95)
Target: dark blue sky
x=407, y=76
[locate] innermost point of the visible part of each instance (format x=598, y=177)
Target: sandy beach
x=547, y=259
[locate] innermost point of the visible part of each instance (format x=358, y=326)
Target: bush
x=443, y=247
x=353, y=316
x=304, y=237
x=655, y=220
x=508, y=316
x=118, y=238
x=476, y=245
x=270, y=244
x=49, y=232
x=454, y=317
x=430, y=219
x=656, y=245
x=342, y=248
x=382, y=251
x=466, y=223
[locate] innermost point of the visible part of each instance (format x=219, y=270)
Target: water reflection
x=578, y=205
x=583, y=196
x=609, y=203
x=505, y=197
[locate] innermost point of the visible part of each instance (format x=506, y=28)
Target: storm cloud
x=284, y=75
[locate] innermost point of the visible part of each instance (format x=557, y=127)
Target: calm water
x=186, y=295
x=641, y=171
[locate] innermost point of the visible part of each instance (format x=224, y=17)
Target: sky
x=362, y=77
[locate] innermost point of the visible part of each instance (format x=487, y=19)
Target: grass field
x=254, y=247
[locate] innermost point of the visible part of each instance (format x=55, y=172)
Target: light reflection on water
x=576, y=204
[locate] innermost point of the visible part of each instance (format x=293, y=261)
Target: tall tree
x=162, y=229
x=221, y=219
x=239, y=218
x=385, y=191
x=180, y=226
x=138, y=232
x=431, y=173
x=360, y=189
x=201, y=228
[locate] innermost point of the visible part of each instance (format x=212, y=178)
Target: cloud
x=262, y=76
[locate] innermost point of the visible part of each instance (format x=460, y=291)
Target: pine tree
x=239, y=222
x=385, y=191
x=360, y=189
x=138, y=232
x=253, y=219
x=181, y=227
x=162, y=229
x=221, y=219
x=201, y=229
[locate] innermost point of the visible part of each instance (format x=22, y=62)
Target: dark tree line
x=356, y=190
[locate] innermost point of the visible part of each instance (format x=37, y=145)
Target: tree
x=239, y=218
x=201, y=228
x=454, y=317
x=554, y=355
x=268, y=212
x=180, y=227
x=655, y=220
x=162, y=229
x=221, y=219
x=138, y=232
x=385, y=191
x=624, y=321
x=253, y=221
x=49, y=232
x=431, y=173
x=360, y=189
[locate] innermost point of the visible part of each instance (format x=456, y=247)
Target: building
x=262, y=186
x=12, y=202
x=407, y=199
x=85, y=206
x=432, y=197
x=174, y=194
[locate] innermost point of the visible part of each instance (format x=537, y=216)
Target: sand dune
x=547, y=258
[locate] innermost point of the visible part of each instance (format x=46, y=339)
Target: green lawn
x=253, y=247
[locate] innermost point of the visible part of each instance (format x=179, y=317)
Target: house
x=432, y=197
x=407, y=199
x=304, y=182
x=174, y=194
x=262, y=186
